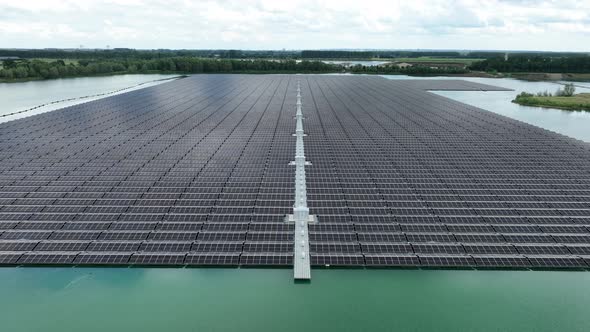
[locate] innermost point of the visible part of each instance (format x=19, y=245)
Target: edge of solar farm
x=343, y=252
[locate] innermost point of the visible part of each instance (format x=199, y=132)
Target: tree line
x=413, y=70
x=535, y=63
x=128, y=53
x=39, y=69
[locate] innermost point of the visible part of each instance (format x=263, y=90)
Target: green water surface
x=134, y=299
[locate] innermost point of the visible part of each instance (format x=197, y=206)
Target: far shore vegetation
x=18, y=65
x=562, y=99
x=37, y=69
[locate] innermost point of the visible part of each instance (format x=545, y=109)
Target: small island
x=564, y=99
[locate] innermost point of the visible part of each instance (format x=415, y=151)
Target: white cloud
x=275, y=24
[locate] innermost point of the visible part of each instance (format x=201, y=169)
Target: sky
x=297, y=24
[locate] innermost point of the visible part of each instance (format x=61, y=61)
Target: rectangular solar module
x=196, y=172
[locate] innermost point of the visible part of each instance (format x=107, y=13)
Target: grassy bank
x=575, y=103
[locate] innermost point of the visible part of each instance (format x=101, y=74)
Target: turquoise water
x=129, y=299
x=134, y=299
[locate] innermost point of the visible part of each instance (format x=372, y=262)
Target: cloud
x=272, y=24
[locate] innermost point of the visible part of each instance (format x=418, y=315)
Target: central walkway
x=301, y=260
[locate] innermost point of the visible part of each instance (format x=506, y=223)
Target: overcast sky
x=297, y=24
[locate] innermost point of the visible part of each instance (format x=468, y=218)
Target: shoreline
x=529, y=77
x=260, y=72
x=576, y=103
x=563, y=108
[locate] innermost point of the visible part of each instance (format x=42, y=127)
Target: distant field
x=576, y=102
x=579, y=77
x=66, y=61
x=466, y=61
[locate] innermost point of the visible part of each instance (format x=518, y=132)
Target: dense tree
x=413, y=70
x=43, y=69
x=37, y=69
x=535, y=63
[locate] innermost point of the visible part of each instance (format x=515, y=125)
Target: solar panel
x=579, y=249
x=25, y=235
x=116, y=258
x=490, y=249
x=217, y=247
x=382, y=248
x=501, y=261
x=9, y=258
x=196, y=259
x=387, y=260
x=420, y=248
x=166, y=246
x=154, y=258
x=47, y=258
x=266, y=259
x=542, y=249
x=62, y=246
x=196, y=172
x=556, y=262
x=446, y=261
x=17, y=245
x=114, y=246
x=276, y=247
x=123, y=236
x=320, y=247
x=337, y=260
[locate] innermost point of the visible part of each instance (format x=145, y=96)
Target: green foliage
x=575, y=102
x=413, y=70
x=36, y=69
x=569, y=90
x=524, y=95
x=27, y=69
x=544, y=94
x=535, y=63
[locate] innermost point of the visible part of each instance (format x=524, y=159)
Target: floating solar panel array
x=196, y=172
x=450, y=85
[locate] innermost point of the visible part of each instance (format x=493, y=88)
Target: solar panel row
x=286, y=259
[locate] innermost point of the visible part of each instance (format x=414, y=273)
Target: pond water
x=17, y=97
x=368, y=63
x=133, y=299
x=350, y=63
x=143, y=299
